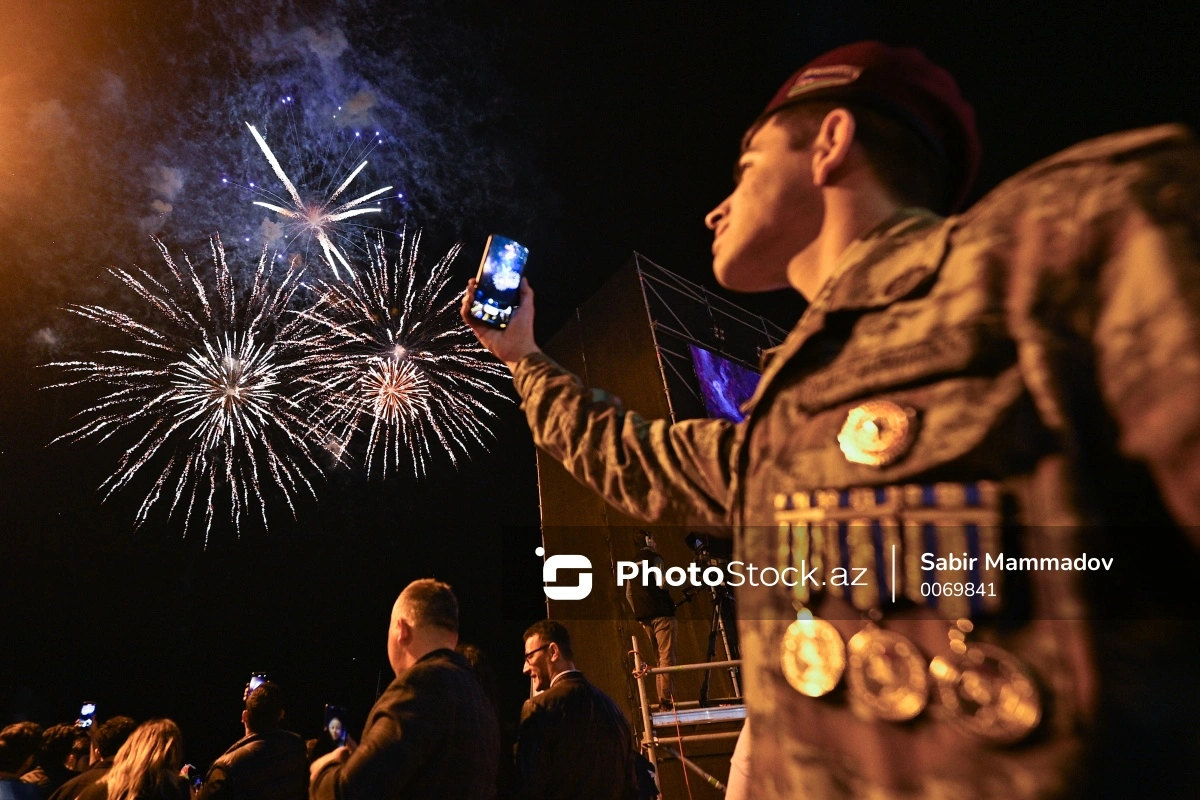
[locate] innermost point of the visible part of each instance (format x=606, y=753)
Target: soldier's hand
x=513, y=343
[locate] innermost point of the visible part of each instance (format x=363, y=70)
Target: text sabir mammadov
x=739, y=573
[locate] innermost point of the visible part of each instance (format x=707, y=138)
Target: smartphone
x=257, y=679
x=87, y=715
x=335, y=723
x=498, y=284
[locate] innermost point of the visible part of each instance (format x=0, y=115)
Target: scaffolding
x=683, y=313
x=730, y=711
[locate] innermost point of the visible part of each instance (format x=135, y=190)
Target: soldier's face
x=774, y=212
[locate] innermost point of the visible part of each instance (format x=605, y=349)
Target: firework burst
x=202, y=384
x=392, y=362
x=319, y=218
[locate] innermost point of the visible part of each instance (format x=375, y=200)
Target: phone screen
x=87, y=715
x=499, y=281
x=257, y=680
x=335, y=723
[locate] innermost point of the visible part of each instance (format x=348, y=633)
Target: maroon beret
x=900, y=82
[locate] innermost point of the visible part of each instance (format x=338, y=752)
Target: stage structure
x=669, y=349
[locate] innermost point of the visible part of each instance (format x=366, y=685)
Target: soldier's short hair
x=430, y=602
x=553, y=631
x=906, y=166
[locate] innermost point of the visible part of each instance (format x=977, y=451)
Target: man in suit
x=573, y=741
x=433, y=732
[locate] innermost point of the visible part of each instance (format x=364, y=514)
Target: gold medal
x=989, y=692
x=886, y=675
x=813, y=655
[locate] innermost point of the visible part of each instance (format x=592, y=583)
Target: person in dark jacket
x=268, y=763
x=653, y=607
x=106, y=741
x=18, y=746
x=573, y=741
x=433, y=732
x=64, y=750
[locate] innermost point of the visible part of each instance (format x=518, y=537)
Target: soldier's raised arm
x=648, y=468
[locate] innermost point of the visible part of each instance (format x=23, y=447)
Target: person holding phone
x=268, y=763
x=64, y=753
x=1024, y=375
x=107, y=738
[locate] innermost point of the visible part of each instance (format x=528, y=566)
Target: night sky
x=585, y=131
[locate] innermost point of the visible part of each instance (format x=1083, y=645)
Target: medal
x=989, y=692
x=813, y=656
x=877, y=433
x=886, y=675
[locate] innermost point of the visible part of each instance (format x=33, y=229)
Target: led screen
x=724, y=384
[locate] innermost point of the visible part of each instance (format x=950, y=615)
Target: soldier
x=1021, y=381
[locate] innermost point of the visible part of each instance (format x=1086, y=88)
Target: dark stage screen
x=724, y=384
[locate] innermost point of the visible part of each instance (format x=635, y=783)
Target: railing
x=652, y=742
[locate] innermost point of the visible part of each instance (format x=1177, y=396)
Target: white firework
x=203, y=384
x=319, y=217
x=391, y=362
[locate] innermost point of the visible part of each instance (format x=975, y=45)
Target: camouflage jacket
x=1044, y=346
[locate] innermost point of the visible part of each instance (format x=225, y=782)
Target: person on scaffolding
x=655, y=610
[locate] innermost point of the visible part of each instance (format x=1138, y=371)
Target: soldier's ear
x=832, y=144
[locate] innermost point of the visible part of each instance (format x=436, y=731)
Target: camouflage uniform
x=1049, y=339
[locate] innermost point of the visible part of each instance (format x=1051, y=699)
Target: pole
x=647, y=725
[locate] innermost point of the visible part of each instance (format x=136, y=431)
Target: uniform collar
x=872, y=272
x=888, y=262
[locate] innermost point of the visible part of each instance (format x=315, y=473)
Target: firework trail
x=319, y=217
x=391, y=360
x=203, y=384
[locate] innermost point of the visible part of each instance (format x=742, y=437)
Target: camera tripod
x=723, y=625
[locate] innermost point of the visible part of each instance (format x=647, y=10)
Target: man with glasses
x=573, y=741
